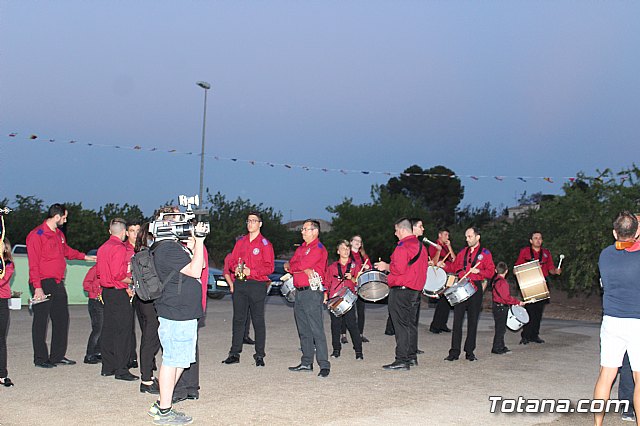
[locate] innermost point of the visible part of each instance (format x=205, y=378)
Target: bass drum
x=372, y=286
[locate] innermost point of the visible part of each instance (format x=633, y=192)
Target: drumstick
x=465, y=275
x=560, y=263
x=361, y=270
x=445, y=258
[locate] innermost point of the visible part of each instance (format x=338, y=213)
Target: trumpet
x=240, y=275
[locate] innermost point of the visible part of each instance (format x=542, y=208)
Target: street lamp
x=206, y=86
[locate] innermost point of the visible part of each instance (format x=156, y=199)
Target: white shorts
x=617, y=336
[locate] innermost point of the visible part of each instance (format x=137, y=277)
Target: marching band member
x=408, y=273
x=5, y=295
x=308, y=266
x=446, y=254
x=252, y=259
x=502, y=300
x=475, y=262
x=531, y=330
x=360, y=258
x=340, y=274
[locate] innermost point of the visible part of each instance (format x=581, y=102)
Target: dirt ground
x=437, y=391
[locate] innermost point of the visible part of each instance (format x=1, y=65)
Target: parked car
x=217, y=286
x=276, y=283
x=19, y=249
x=92, y=252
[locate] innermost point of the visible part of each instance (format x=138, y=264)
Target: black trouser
x=5, y=320
x=472, y=306
x=308, y=311
x=149, y=340
x=402, y=308
x=531, y=330
x=56, y=308
x=134, y=341
x=441, y=314
x=389, y=329
x=360, y=304
x=96, y=313
x=189, y=382
x=349, y=321
x=249, y=296
x=116, y=331
x=500, y=313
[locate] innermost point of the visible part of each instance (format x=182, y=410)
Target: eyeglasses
x=253, y=221
x=307, y=229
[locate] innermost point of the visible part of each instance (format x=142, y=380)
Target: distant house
x=513, y=212
x=297, y=224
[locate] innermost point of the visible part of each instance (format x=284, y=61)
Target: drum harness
x=342, y=276
x=475, y=260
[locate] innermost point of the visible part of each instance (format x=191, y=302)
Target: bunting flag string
x=500, y=178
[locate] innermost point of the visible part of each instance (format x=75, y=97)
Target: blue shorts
x=178, y=340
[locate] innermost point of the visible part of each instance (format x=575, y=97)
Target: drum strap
x=340, y=274
x=417, y=256
x=352, y=255
x=466, y=257
x=533, y=257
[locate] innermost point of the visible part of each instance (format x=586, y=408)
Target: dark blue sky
x=518, y=88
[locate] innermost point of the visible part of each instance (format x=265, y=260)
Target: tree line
x=576, y=223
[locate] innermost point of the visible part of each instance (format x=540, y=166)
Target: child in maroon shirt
x=502, y=300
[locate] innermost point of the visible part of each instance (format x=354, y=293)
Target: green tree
x=127, y=211
x=437, y=189
x=28, y=212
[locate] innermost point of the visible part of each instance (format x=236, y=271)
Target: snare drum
x=451, y=280
x=288, y=290
x=517, y=317
x=342, y=302
x=372, y=286
x=436, y=282
x=459, y=292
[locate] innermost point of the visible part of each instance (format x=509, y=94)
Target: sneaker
x=172, y=417
x=628, y=417
x=155, y=409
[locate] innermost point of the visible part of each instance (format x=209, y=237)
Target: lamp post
x=206, y=86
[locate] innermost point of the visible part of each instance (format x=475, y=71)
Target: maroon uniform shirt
x=5, y=282
x=308, y=256
x=467, y=259
x=528, y=254
x=113, y=263
x=501, y=293
x=257, y=255
x=445, y=250
x=336, y=277
x=47, y=250
x=400, y=272
x=91, y=284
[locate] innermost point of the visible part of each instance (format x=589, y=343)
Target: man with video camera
x=179, y=306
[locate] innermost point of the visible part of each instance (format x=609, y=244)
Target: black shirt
x=181, y=298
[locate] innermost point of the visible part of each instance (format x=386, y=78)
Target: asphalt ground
x=356, y=392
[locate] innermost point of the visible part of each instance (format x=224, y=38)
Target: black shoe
x=506, y=350
x=498, y=351
x=364, y=339
x=45, y=365
x=232, y=359
x=451, y=358
x=413, y=362
x=471, y=357
x=107, y=374
x=248, y=341
x=153, y=388
x=537, y=340
x=446, y=329
x=91, y=359
x=193, y=396
x=99, y=357
x=335, y=354
x=177, y=399
x=65, y=361
x=259, y=361
x=127, y=377
x=343, y=339
x=324, y=372
x=301, y=367
x=133, y=364
x=419, y=352
x=435, y=330
x=524, y=341
x=397, y=365
x=6, y=382
x=359, y=355
x=389, y=333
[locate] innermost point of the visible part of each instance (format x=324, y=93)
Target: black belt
x=303, y=288
x=401, y=287
x=502, y=305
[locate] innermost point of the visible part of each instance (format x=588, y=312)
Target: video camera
x=177, y=224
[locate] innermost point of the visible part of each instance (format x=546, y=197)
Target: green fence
x=76, y=270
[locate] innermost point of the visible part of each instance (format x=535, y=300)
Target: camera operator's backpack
x=146, y=282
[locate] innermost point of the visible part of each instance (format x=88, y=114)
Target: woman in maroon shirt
x=5, y=295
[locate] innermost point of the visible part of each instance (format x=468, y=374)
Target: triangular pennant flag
x=548, y=179
x=522, y=179
x=474, y=177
